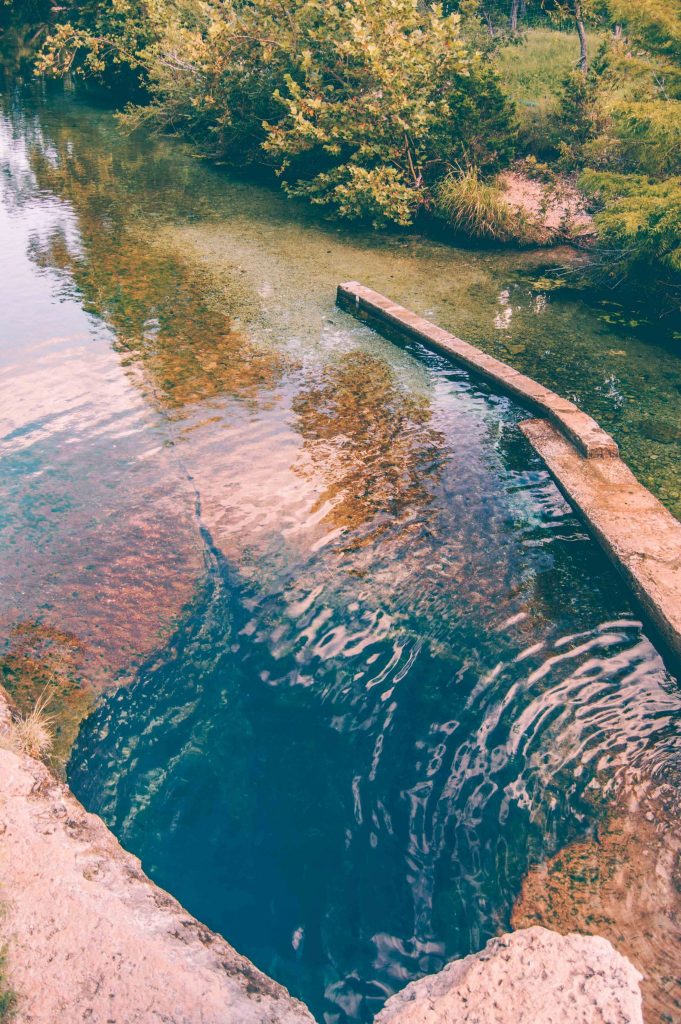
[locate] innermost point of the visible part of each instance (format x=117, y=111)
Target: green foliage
x=23, y=28
x=639, y=226
x=369, y=107
x=654, y=24
x=635, y=98
x=360, y=106
x=102, y=39
x=578, y=120
x=622, y=126
x=479, y=209
x=386, y=98
x=649, y=137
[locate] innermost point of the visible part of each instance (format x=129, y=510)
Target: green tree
x=578, y=12
x=387, y=99
x=634, y=159
x=103, y=39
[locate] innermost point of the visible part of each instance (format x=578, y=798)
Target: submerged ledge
x=639, y=535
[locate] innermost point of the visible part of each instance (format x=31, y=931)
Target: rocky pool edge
x=90, y=937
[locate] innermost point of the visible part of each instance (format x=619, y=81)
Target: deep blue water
x=347, y=762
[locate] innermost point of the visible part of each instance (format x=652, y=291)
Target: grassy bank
x=533, y=71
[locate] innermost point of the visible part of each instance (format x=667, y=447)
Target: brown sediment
x=625, y=885
x=375, y=478
x=93, y=609
x=93, y=614
x=170, y=318
x=41, y=663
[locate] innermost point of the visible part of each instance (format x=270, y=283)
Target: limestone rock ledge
x=533, y=976
x=90, y=938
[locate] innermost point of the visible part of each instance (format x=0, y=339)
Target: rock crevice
x=90, y=938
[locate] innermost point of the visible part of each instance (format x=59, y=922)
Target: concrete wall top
x=591, y=440
x=639, y=535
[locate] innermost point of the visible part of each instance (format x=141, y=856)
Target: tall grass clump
x=478, y=208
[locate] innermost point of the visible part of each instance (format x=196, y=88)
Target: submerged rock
x=534, y=976
x=661, y=430
x=624, y=883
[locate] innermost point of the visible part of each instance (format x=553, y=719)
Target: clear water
x=355, y=664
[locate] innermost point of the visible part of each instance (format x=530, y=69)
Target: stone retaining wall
x=591, y=440
x=639, y=535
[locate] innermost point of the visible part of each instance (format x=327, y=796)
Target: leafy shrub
x=102, y=39
x=639, y=230
x=622, y=127
x=22, y=31
x=360, y=106
x=649, y=137
x=534, y=70
x=390, y=97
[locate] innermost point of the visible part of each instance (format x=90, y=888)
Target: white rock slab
x=533, y=976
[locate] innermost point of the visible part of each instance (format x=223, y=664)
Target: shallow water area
x=375, y=670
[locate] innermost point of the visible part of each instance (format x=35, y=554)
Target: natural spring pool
x=346, y=663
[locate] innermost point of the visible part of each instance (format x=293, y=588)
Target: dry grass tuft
x=32, y=734
x=8, y=999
